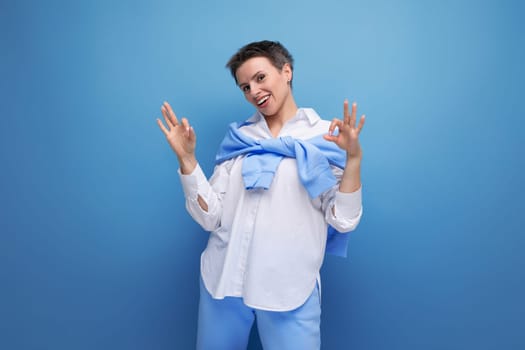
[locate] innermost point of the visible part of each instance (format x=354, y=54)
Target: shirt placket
x=250, y=214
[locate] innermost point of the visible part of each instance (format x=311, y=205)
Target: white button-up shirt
x=267, y=246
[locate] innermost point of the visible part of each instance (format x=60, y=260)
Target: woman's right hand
x=181, y=138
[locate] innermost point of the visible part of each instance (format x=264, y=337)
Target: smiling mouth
x=262, y=100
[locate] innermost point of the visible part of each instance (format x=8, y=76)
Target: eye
x=245, y=88
x=261, y=77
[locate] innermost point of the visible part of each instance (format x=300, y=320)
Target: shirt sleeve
x=342, y=211
x=211, y=192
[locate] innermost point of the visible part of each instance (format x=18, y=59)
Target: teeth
x=262, y=100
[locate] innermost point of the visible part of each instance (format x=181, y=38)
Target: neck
x=285, y=113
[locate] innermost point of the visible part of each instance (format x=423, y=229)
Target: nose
x=254, y=90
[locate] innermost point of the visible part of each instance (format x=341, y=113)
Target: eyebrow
x=253, y=76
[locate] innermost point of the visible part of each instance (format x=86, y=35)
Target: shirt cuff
x=348, y=204
x=192, y=182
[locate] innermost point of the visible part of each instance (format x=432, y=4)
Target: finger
x=162, y=127
x=346, y=115
x=166, y=117
x=336, y=123
x=171, y=114
x=361, y=123
x=186, y=126
x=330, y=138
x=192, y=135
x=167, y=120
x=354, y=114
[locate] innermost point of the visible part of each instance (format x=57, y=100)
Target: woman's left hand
x=348, y=136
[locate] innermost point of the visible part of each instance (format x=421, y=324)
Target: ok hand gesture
x=348, y=136
x=180, y=136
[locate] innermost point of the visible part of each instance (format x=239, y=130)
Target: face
x=264, y=86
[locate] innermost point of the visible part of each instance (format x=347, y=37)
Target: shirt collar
x=302, y=113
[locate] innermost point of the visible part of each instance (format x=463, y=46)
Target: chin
x=268, y=112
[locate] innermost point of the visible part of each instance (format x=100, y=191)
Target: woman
x=283, y=179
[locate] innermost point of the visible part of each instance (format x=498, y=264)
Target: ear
x=287, y=71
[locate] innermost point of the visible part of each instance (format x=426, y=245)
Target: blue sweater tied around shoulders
x=313, y=156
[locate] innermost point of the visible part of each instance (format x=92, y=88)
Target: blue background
x=97, y=250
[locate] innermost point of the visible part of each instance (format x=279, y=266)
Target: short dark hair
x=272, y=50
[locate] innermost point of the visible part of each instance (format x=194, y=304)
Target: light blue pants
x=225, y=324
